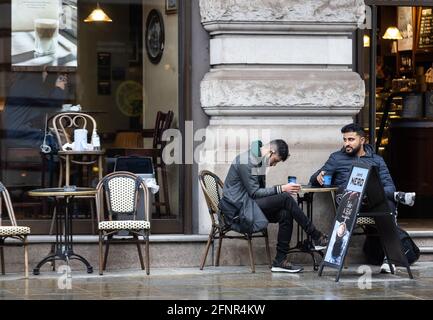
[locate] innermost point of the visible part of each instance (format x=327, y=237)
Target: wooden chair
x=121, y=191
x=212, y=187
x=63, y=125
x=13, y=231
x=128, y=139
x=162, y=123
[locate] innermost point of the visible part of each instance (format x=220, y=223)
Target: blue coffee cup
x=291, y=179
x=327, y=180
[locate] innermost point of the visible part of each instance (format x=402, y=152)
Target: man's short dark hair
x=281, y=148
x=353, y=127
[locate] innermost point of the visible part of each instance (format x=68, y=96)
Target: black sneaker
x=321, y=243
x=285, y=266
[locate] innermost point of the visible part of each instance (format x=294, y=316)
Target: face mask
x=266, y=159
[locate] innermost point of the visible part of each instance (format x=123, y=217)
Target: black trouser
x=282, y=208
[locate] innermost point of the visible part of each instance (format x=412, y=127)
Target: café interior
x=398, y=112
x=122, y=71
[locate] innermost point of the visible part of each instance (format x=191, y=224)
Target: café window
x=123, y=72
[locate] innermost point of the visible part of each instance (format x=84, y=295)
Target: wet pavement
x=222, y=283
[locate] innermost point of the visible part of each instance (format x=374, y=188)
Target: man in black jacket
x=354, y=150
x=245, y=194
x=340, y=163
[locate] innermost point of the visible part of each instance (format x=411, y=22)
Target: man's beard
x=353, y=152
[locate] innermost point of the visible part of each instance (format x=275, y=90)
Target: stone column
x=280, y=69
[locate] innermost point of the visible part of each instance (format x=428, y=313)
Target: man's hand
x=291, y=188
x=62, y=81
x=319, y=177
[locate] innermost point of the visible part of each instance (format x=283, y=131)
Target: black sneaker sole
x=279, y=269
x=386, y=270
x=382, y=271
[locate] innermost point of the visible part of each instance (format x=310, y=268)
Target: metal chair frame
x=106, y=236
x=21, y=237
x=212, y=186
x=63, y=125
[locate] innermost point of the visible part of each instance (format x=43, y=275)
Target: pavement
x=221, y=283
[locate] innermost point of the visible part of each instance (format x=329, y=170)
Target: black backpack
x=411, y=250
x=373, y=248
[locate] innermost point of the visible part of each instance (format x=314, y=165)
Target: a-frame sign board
x=364, y=196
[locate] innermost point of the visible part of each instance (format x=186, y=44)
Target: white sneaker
x=384, y=268
x=407, y=198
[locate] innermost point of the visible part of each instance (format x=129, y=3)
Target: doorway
x=395, y=58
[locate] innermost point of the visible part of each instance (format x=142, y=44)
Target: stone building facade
x=260, y=69
x=279, y=69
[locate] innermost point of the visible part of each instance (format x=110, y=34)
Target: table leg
x=333, y=202
x=68, y=226
x=70, y=255
x=100, y=167
x=64, y=240
x=68, y=169
x=304, y=244
x=57, y=248
x=299, y=247
x=51, y=257
x=300, y=236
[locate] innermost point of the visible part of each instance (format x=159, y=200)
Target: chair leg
x=100, y=253
x=165, y=187
x=2, y=258
x=53, y=219
x=250, y=247
x=60, y=182
x=220, y=243
x=206, y=251
x=157, y=203
x=26, y=259
x=92, y=214
x=140, y=255
x=107, y=248
x=268, y=250
x=157, y=200
x=147, y=254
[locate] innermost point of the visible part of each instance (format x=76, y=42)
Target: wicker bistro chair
x=13, y=231
x=121, y=191
x=212, y=189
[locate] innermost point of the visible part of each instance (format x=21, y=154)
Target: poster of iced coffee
x=44, y=32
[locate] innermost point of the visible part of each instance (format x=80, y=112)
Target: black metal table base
x=65, y=256
x=305, y=244
x=63, y=248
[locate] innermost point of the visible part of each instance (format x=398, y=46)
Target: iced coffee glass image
x=46, y=32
